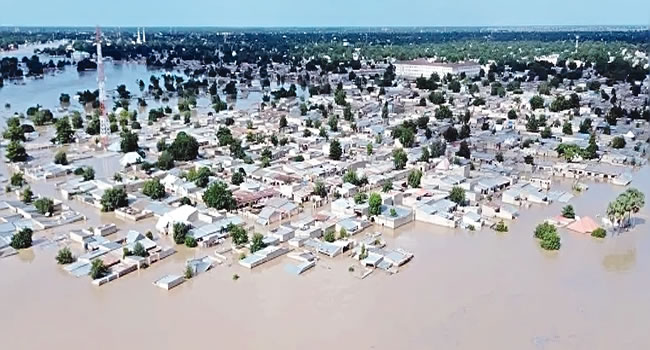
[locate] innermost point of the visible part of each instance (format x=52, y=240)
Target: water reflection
x=619, y=262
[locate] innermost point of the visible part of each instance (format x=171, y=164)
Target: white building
x=424, y=68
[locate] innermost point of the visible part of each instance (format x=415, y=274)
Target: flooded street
x=464, y=290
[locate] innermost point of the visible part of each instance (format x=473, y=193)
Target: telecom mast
x=104, y=126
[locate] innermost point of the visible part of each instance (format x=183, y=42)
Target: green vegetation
x=114, y=198
x=188, y=272
x=501, y=227
x=547, y=234
x=15, y=152
x=61, y=158
x=218, y=196
x=457, y=195
x=257, y=242
x=179, y=232
x=44, y=206
x=414, y=178
x=374, y=204
x=399, y=159
x=628, y=202
x=98, y=269
x=184, y=147
x=22, y=239
x=568, y=212
x=17, y=180
x=329, y=236
x=599, y=233
x=64, y=256
x=238, y=234
x=154, y=189
x=335, y=150
x=190, y=242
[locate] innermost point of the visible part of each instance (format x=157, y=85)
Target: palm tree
x=616, y=212
x=633, y=200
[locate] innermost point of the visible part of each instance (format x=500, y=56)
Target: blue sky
x=306, y=13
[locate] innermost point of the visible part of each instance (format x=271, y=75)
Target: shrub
x=44, y=206
x=190, y=242
x=22, y=239
x=599, y=233
x=65, y=256
x=138, y=250
x=98, y=269
x=188, y=272
x=568, y=212
x=329, y=236
x=61, y=158
x=179, y=232
x=17, y=180
x=501, y=227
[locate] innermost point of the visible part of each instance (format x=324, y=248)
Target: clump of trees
x=44, y=206
x=629, y=202
x=238, y=234
x=548, y=236
x=114, y=198
x=98, y=269
x=153, y=189
x=568, y=212
x=22, y=239
x=64, y=256
x=218, y=196
x=457, y=195
x=179, y=232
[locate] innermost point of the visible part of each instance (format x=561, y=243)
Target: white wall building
x=424, y=68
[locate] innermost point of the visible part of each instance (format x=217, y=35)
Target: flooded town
x=359, y=188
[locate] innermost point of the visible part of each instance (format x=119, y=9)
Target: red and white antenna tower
x=104, y=125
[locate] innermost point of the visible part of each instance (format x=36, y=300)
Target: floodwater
x=463, y=290
x=27, y=92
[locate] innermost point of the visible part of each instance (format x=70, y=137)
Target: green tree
x=44, y=206
x=568, y=212
x=184, y=147
x=599, y=233
x=463, y=150
x=138, y=250
x=536, y=102
x=387, y=187
x=190, y=242
x=544, y=229
x=88, y=174
x=374, y=203
x=320, y=189
x=128, y=141
x=64, y=131
x=329, y=236
x=501, y=227
x=414, y=178
x=64, y=256
x=591, y=151
x=17, y=179
x=218, y=196
x=457, y=195
x=237, y=177
x=238, y=234
x=15, y=152
x=114, y=198
x=567, y=128
x=257, y=242
x=14, y=131
x=61, y=158
x=165, y=161
x=179, y=232
x=335, y=150
x=399, y=159
x=98, y=269
x=154, y=189
x=618, y=142
x=27, y=195
x=22, y=239
x=369, y=149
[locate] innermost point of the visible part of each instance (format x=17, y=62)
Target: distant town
x=237, y=156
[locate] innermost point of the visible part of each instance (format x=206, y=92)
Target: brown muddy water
x=463, y=290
